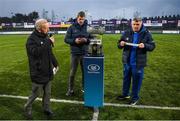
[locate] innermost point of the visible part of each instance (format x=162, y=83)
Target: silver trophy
x=95, y=46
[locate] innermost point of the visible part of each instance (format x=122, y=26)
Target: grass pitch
x=161, y=84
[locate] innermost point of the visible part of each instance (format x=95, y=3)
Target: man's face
x=45, y=28
x=136, y=25
x=80, y=20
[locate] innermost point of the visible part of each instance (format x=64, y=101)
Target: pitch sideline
x=105, y=104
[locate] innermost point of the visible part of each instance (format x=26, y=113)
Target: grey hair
x=39, y=23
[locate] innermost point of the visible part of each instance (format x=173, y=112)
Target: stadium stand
x=163, y=24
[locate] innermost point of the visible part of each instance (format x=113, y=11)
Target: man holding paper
x=135, y=42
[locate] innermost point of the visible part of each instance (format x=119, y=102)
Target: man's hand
x=122, y=43
x=52, y=39
x=80, y=40
x=83, y=40
x=141, y=45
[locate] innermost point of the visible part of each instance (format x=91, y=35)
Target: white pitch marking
x=105, y=104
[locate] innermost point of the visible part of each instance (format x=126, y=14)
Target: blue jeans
x=137, y=76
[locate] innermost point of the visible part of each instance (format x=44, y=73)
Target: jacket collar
x=40, y=34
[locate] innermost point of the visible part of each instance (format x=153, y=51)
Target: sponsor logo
x=93, y=68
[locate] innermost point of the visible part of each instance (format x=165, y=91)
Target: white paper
x=55, y=70
x=132, y=44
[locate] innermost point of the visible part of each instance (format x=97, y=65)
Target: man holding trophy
x=135, y=43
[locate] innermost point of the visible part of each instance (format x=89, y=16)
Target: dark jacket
x=41, y=58
x=141, y=54
x=77, y=31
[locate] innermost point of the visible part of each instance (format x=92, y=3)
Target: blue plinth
x=93, y=81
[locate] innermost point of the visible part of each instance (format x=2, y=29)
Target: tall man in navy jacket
x=77, y=37
x=134, y=58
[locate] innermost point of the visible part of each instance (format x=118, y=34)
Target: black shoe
x=121, y=97
x=70, y=93
x=28, y=113
x=133, y=102
x=48, y=113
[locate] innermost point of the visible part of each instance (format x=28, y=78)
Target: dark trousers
x=137, y=76
x=75, y=60
x=36, y=89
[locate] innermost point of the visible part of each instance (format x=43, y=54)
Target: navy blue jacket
x=41, y=58
x=141, y=54
x=77, y=31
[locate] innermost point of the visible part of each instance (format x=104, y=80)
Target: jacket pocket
x=75, y=49
x=38, y=65
x=125, y=57
x=141, y=59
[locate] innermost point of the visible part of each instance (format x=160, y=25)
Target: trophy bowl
x=95, y=47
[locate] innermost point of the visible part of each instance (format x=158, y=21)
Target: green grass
x=160, y=87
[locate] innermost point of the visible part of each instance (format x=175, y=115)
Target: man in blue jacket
x=134, y=58
x=77, y=37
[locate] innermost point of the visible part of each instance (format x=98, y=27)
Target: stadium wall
x=25, y=32
x=108, y=32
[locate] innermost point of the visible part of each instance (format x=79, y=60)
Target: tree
x=70, y=19
x=18, y=17
x=5, y=20
x=33, y=16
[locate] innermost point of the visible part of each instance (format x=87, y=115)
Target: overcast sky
x=95, y=8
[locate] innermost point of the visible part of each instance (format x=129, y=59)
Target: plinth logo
x=93, y=68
